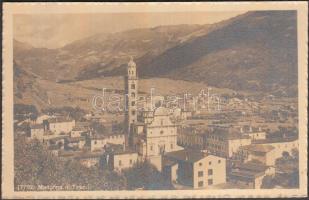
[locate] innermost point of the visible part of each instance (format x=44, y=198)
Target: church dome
x=131, y=63
x=161, y=111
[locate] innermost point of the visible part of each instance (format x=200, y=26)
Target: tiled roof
x=186, y=155
x=252, y=166
x=59, y=120
x=275, y=140
x=168, y=162
x=258, y=148
x=37, y=126
x=75, y=139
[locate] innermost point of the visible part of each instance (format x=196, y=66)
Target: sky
x=56, y=30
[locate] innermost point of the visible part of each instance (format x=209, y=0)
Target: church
x=152, y=134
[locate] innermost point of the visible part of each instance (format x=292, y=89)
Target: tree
x=35, y=165
x=145, y=175
x=268, y=182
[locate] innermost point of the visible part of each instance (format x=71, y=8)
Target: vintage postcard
x=154, y=100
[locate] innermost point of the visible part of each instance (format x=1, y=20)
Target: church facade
x=154, y=133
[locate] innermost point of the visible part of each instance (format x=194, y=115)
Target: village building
x=194, y=169
x=225, y=142
x=262, y=153
x=75, y=142
x=78, y=132
x=54, y=140
x=250, y=174
x=37, y=131
x=99, y=141
x=89, y=159
x=118, y=158
x=41, y=118
x=255, y=133
x=59, y=125
x=281, y=145
x=191, y=137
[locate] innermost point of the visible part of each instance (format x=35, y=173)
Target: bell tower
x=131, y=82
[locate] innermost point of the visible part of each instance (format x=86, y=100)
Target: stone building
x=194, y=169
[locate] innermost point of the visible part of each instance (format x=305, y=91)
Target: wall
x=233, y=145
x=37, y=134
x=99, y=143
x=59, y=127
x=218, y=166
x=125, y=161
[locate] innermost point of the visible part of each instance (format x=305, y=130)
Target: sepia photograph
x=139, y=99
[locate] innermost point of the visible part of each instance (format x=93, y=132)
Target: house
x=250, y=174
x=78, y=132
x=99, y=141
x=194, y=168
x=37, y=131
x=54, y=140
x=225, y=142
x=89, y=159
x=41, y=118
x=59, y=125
x=253, y=132
x=118, y=159
x=263, y=153
x=75, y=142
x=286, y=144
x=191, y=137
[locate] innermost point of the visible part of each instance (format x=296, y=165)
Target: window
x=219, y=161
x=119, y=163
x=95, y=142
x=133, y=103
x=161, y=132
x=133, y=86
x=172, y=146
x=161, y=122
x=210, y=172
x=200, y=174
x=200, y=183
x=151, y=148
x=132, y=94
x=210, y=182
x=200, y=164
x=133, y=112
x=209, y=162
x=130, y=161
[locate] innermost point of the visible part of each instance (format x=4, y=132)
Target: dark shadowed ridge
x=253, y=51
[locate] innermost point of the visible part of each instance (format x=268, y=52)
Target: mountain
x=101, y=54
x=256, y=51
